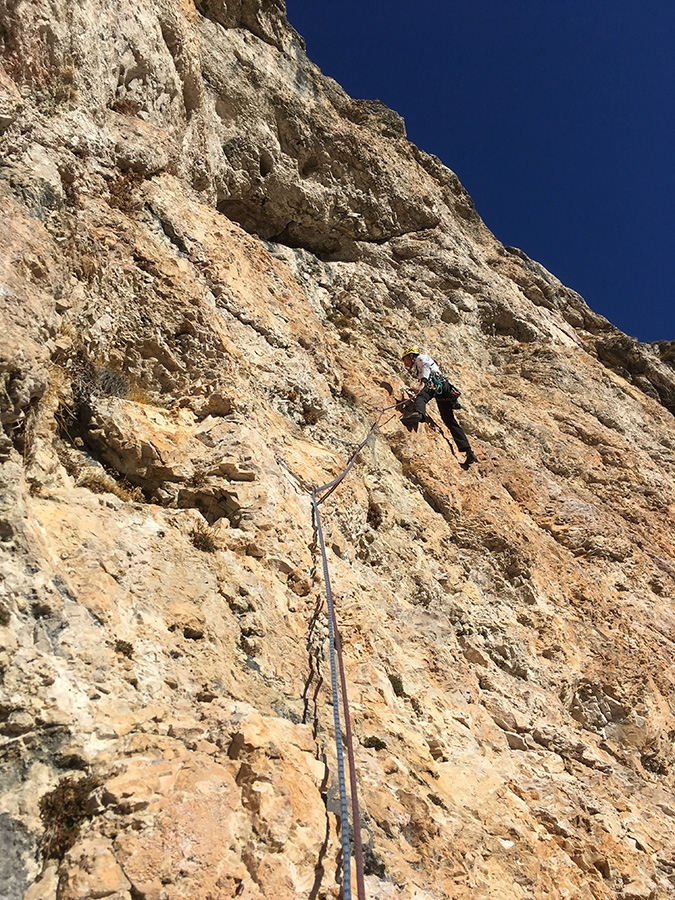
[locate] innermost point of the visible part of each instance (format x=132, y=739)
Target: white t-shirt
x=423, y=366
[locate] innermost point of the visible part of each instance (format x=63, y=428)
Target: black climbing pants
x=445, y=408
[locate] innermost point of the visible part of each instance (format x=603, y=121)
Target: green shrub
x=397, y=685
x=124, y=648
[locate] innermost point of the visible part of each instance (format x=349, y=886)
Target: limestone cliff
x=211, y=259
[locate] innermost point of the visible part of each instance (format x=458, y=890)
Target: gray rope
x=344, y=809
x=335, y=650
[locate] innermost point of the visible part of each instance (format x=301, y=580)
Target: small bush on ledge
x=374, y=743
x=124, y=648
x=63, y=811
x=202, y=538
x=397, y=684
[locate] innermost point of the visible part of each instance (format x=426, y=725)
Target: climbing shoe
x=412, y=417
x=470, y=459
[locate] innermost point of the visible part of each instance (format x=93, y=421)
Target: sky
x=558, y=117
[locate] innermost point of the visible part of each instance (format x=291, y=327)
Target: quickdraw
x=437, y=383
x=442, y=387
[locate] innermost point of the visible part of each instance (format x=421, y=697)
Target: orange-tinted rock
x=212, y=258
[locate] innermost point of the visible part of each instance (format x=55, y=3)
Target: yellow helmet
x=411, y=351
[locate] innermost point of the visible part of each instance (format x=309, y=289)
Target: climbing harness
x=442, y=388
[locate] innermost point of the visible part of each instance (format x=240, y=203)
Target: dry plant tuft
x=59, y=384
x=126, y=106
x=97, y=480
x=111, y=383
x=63, y=811
x=202, y=538
x=123, y=194
x=142, y=396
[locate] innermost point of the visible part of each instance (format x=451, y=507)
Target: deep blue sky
x=558, y=116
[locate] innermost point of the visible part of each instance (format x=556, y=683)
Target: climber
x=433, y=384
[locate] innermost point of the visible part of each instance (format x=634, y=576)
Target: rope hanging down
x=332, y=646
x=336, y=663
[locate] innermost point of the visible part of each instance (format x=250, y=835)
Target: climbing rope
x=337, y=665
x=330, y=487
x=332, y=645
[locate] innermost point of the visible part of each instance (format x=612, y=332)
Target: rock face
x=211, y=259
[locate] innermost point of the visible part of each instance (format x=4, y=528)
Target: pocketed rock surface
x=211, y=260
